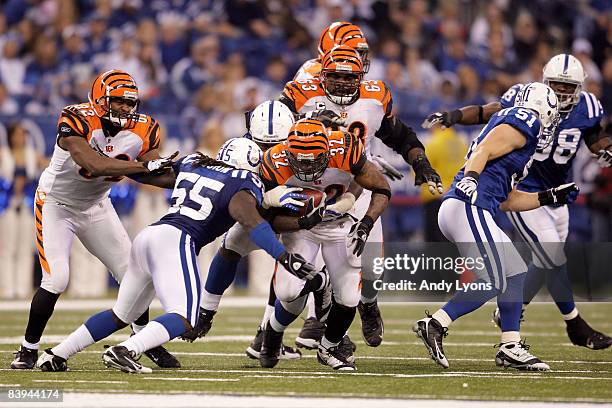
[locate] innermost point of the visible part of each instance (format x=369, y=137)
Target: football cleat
x=497, y=318
x=581, y=334
x=25, y=358
x=51, y=363
x=516, y=354
x=270, y=347
x=312, y=332
x=335, y=358
x=121, y=358
x=371, y=323
x=323, y=299
x=162, y=357
x=287, y=353
x=348, y=348
x=202, y=327
x=431, y=332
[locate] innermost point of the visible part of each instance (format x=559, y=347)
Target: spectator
x=276, y=75
x=97, y=35
x=483, y=26
x=201, y=67
x=582, y=50
x=8, y=104
x=201, y=111
x=174, y=44
x=40, y=80
x=525, y=38
x=74, y=49
x=12, y=67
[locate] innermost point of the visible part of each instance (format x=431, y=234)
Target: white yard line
x=191, y=379
x=82, y=381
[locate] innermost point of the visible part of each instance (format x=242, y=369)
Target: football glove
x=339, y=206
x=202, y=327
x=359, y=233
x=314, y=214
x=329, y=118
x=297, y=265
x=159, y=165
x=424, y=173
x=563, y=194
x=285, y=197
x=446, y=119
x=386, y=168
x=467, y=187
x=604, y=158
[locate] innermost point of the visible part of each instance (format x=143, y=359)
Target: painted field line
x=281, y=377
x=10, y=385
x=82, y=381
x=191, y=379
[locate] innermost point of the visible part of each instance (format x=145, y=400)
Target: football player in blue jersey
x=209, y=197
x=497, y=159
x=545, y=229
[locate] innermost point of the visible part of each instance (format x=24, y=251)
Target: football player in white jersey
x=366, y=110
x=98, y=142
x=545, y=229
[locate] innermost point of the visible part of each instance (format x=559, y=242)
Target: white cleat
x=431, y=332
x=516, y=354
x=120, y=358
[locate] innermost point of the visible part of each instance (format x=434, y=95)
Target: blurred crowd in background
x=201, y=64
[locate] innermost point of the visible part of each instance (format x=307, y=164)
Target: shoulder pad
x=378, y=90
x=299, y=92
x=590, y=106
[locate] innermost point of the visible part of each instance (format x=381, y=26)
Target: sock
x=266, y=317
x=210, y=301
x=155, y=334
x=41, y=310
x=310, y=306
x=281, y=318
x=464, y=302
x=442, y=317
x=571, y=315
x=510, y=336
x=327, y=344
x=510, y=303
x=560, y=288
x=533, y=282
x=270, y=306
x=220, y=275
x=338, y=322
x=103, y=324
x=75, y=342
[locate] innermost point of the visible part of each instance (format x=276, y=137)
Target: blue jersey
x=551, y=166
x=500, y=175
x=201, y=196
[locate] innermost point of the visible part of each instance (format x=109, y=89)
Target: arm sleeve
x=593, y=134
x=263, y=236
x=357, y=156
x=395, y=134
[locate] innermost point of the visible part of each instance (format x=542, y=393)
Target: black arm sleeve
x=594, y=133
x=398, y=136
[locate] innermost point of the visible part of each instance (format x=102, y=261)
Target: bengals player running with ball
x=98, y=142
x=365, y=107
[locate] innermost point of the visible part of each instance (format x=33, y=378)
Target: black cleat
x=311, y=334
x=254, y=350
x=270, y=347
x=162, y=357
x=431, y=332
x=371, y=323
x=25, y=358
x=581, y=334
x=348, y=348
x=202, y=327
x=51, y=363
x=335, y=358
x=121, y=358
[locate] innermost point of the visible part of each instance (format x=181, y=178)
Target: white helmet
x=241, y=153
x=270, y=122
x=565, y=68
x=542, y=99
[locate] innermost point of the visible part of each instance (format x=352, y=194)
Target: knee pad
x=347, y=298
x=57, y=281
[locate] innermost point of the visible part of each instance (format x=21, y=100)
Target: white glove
x=386, y=168
x=342, y=205
x=604, y=158
x=467, y=188
x=285, y=197
x=158, y=165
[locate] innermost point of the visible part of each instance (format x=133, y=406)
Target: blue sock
x=220, y=275
x=533, y=282
x=464, y=302
x=283, y=316
x=560, y=288
x=510, y=303
x=103, y=324
x=173, y=323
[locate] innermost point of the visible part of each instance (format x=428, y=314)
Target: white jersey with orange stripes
x=66, y=182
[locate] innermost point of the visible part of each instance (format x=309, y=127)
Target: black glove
x=296, y=265
x=202, y=327
x=446, y=119
x=424, y=173
x=563, y=194
x=359, y=233
x=314, y=215
x=329, y=118
x=158, y=166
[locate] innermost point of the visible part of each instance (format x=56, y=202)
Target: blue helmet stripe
x=270, y=115
x=565, y=63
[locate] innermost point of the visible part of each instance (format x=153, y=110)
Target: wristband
x=480, y=114
x=546, y=197
x=473, y=174
x=382, y=191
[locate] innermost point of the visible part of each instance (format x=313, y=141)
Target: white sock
x=276, y=326
x=153, y=335
x=310, y=304
x=136, y=327
x=327, y=344
x=510, y=336
x=33, y=346
x=75, y=342
x=571, y=315
x=210, y=301
x=268, y=312
x=442, y=317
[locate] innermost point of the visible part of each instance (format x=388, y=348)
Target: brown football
x=309, y=192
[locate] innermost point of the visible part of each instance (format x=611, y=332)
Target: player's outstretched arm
x=468, y=115
x=600, y=143
x=523, y=201
x=163, y=179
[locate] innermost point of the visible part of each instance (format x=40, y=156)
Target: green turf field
x=399, y=368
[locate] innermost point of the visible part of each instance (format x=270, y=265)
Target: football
x=310, y=192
